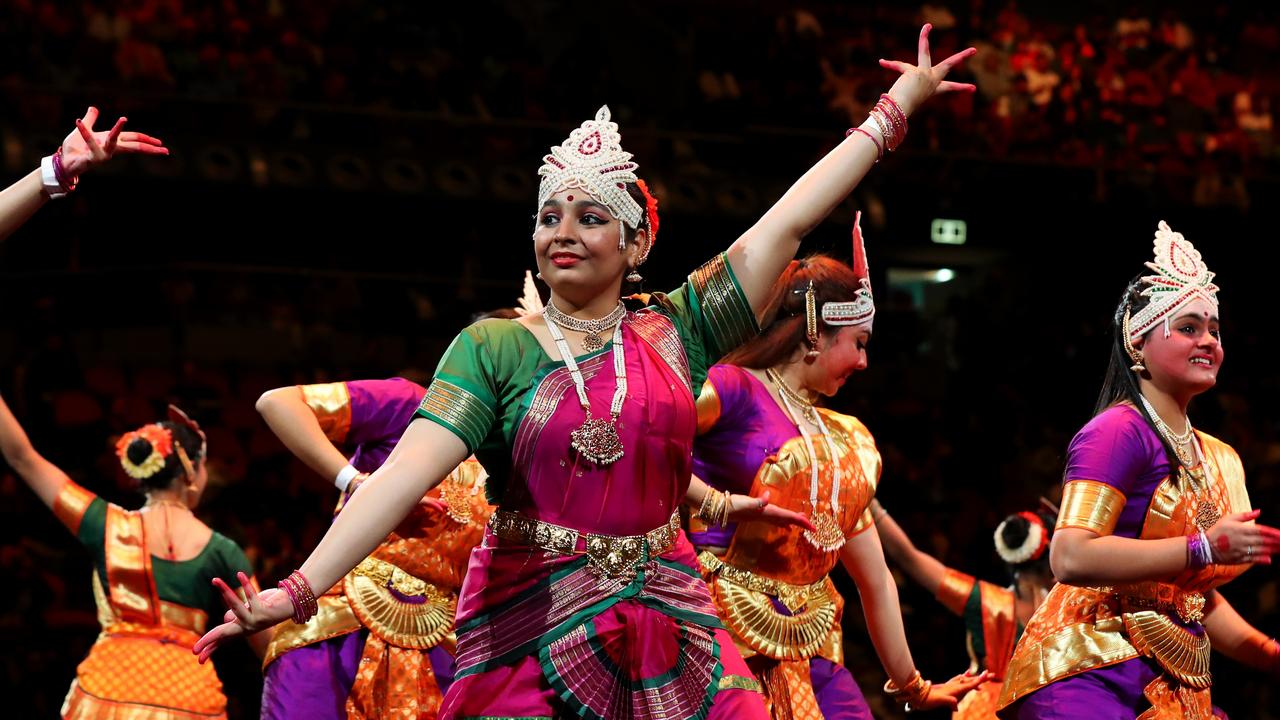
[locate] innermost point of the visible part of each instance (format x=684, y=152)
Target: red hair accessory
x=651, y=211
x=161, y=448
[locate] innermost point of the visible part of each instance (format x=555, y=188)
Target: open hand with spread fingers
x=84, y=147
x=258, y=611
x=917, y=83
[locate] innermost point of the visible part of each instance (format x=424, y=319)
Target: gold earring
x=634, y=276
x=1134, y=353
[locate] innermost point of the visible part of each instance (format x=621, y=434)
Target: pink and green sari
x=541, y=634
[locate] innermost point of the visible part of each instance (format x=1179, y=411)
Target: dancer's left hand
x=745, y=507
x=950, y=693
x=258, y=611
x=84, y=147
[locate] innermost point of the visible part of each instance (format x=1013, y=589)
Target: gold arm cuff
x=1090, y=505
x=708, y=407
x=331, y=404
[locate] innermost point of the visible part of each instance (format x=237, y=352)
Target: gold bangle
x=913, y=693
x=725, y=507
x=707, y=497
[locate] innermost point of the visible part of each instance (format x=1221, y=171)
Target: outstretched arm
x=759, y=255
x=45, y=478
x=926, y=570
x=82, y=149
x=420, y=461
x=863, y=557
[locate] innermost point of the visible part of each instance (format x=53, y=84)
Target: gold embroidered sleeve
x=728, y=316
x=331, y=403
x=708, y=407
x=1090, y=505
x=71, y=504
x=865, y=521
x=954, y=590
x=458, y=410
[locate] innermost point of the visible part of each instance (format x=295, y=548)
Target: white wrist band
x=49, y=179
x=345, y=476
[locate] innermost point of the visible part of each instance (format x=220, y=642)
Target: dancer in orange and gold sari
x=382, y=643
x=152, y=574
x=1155, y=518
x=994, y=616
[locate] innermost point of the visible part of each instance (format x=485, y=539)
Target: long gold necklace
x=1187, y=449
x=827, y=535
x=805, y=405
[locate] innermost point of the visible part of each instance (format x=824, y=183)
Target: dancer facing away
x=760, y=434
x=583, y=598
x=60, y=172
x=151, y=577
x=381, y=643
x=994, y=616
x=1155, y=517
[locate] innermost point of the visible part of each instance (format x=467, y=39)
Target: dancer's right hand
x=1237, y=540
x=259, y=612
x=950, y=693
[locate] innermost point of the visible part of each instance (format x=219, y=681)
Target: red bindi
x=570, y=198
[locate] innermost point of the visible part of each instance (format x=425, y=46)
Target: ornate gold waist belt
x=1162, y=597
x=615, y=556
x=793, y=596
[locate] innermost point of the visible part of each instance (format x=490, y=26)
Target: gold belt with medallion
x=1147, y=611
x=614, y=556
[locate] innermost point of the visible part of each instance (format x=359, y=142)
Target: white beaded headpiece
x=1181, y=277
x=592, y=159
x=863, y=307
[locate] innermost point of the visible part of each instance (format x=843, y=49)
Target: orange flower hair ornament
x=651, y=211
x=161, y=448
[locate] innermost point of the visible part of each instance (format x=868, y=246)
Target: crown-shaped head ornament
x=592, y=160
x=1180, y=276
x=863, y=306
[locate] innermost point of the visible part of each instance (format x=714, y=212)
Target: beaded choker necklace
x=592, y=341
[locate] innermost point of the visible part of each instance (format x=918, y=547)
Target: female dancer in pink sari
x=584, y=598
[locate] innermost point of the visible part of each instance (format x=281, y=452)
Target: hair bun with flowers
x=1021, y=538
x=144, y=451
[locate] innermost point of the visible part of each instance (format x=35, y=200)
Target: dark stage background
x=350, y=181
